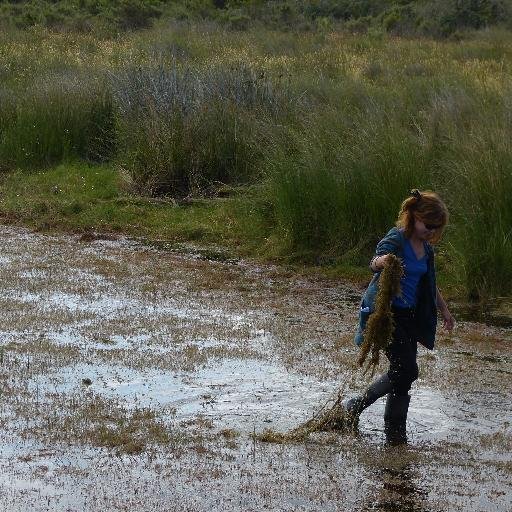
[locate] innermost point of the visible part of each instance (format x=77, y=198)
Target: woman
x=421, y=221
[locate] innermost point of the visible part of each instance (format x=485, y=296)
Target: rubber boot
x=395, y=418
x=355, y=406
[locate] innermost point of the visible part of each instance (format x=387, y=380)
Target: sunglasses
x=433, y=227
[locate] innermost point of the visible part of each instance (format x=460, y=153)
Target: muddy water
x=133, y=377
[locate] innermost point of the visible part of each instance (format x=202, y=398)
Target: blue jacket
x=426, y=306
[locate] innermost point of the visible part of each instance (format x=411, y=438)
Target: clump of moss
x=379, y=328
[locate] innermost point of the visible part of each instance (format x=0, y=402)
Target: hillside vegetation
x=438, y=18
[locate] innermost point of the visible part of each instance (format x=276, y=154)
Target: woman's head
x=423, y=213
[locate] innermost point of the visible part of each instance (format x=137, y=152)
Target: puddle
x=213, y=351
x=247, y=395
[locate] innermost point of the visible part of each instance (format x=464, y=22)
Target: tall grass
x=338, y=128
x=183, y=129
x=337, y=182
x=58, y=118
x=481, y=188
x=340, y=183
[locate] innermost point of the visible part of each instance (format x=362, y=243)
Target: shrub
x=237, y=20
x=136, y=14
x=439, y=18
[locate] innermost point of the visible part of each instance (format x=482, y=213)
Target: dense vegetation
x=439, y=18
x=325, y=132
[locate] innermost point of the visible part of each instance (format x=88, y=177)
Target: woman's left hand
x=448, y=320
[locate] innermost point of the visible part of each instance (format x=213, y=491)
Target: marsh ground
x=133, y=378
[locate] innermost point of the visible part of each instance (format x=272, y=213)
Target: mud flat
x=133, y=378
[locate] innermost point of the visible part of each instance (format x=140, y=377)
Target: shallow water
x=93, y=334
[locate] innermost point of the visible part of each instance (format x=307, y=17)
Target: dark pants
x=401, y=352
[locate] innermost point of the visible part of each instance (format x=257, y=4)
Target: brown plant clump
x=379, y=328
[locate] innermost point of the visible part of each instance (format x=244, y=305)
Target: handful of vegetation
x=379, y=328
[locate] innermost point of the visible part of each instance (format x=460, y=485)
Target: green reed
x=58, y=118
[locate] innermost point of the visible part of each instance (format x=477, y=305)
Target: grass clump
x=60, y=118
x=129, y=434
x=336, y=186
x=182, y=130
x=483, y=241
x=104, y=423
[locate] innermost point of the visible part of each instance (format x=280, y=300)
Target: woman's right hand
x=379, y=262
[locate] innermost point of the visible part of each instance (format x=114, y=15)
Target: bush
x=136, y=14
x=336, y=182
x=236, y=20
x=439, y=18
x=444, y=18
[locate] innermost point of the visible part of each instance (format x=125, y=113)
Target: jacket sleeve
x=389, y=244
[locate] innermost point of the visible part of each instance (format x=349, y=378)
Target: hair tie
x=416, y=194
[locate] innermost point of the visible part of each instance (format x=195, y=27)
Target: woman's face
x=425, y=230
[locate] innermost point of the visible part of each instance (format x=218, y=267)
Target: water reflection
x=396, y=487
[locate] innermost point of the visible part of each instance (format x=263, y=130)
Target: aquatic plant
x=379, y=328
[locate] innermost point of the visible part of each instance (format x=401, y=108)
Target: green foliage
x=438, y=18
x=238, y=21
x=58, y=118
x=82, y=14
x=332, y=130
x=135, y=14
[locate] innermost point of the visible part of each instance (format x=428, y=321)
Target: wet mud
x=133, y=378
